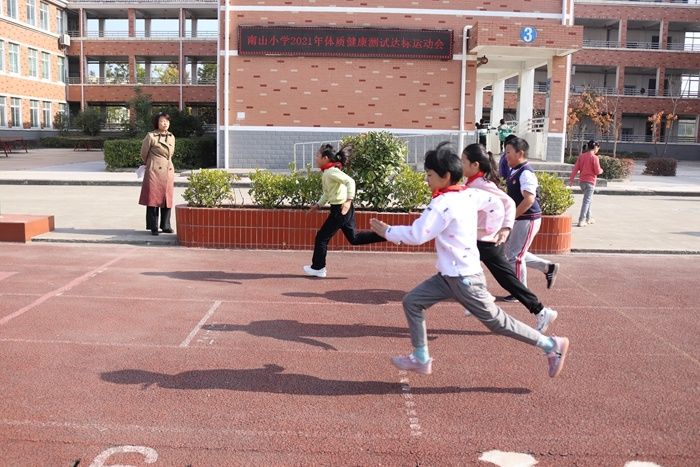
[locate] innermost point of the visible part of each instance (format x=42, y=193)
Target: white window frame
x=11, y=8
x=44, y=16
x=62, y=69
x=2, y=55
x=46, y=114
x=59, y=21
x=15, y=66
x=45, y=65
x=34, y=113
x=16, y=122
x=33, y=63
x=31, y=12
x=3, y=112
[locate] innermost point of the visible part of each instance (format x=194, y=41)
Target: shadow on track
x=270, y=379
x=230, y=277
x=304, y=333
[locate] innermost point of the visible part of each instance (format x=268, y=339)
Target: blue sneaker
x=555, y=358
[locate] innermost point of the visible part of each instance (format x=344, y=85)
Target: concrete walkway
x=93, y=205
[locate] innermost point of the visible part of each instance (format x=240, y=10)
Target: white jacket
x=508, y=207
x=451, y=220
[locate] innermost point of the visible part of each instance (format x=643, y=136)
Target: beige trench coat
x=159, y=178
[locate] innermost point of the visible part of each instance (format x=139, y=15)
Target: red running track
x=171, y=356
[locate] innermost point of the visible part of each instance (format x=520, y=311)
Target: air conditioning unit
x=64, y=40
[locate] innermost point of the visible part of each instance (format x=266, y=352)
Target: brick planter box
x=554, y=236
x=289, y=229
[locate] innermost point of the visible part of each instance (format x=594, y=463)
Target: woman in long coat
x=159, y=178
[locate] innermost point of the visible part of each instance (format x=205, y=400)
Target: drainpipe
x=227, y=38
x=463, y=87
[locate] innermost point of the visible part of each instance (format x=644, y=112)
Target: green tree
x=207, y=73
x=90, y=121
x=141, y=106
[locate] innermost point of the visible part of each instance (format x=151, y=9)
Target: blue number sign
x=528, y=34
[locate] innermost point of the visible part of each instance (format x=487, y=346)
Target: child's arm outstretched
x=423, y=229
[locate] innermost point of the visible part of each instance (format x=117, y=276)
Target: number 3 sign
x=528, y=34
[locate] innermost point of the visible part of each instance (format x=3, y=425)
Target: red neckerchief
x=325, y=167
x=474, y=177
x=448, y=189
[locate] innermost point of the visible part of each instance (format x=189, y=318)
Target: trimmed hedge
x=190, y=153
x=659, y=166
x=615, y=168
x=67, y=141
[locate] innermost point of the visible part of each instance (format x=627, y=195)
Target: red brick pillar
x=557, y=66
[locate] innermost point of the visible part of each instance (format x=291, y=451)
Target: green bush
x=303, y=187
x=190, y=153
x=555, y=197
x=267, y=189
x=210, y=188
x=661, y=166
x=90, y=121
x=377, y=158
x=614, y=168
x=67, y=142
x=410, y=190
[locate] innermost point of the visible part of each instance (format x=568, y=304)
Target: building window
x=2, y=56
x=34, y=113
x=62, y=69
x=44, y=16
x=3, y=122
x=59, y=22
x=45, y=65
x=32, y=62
x=14, y=58
x=15, y=112
x=31, y=12
x=687, y=130
x=46, y=115
x=12, y=8
x=690, y=85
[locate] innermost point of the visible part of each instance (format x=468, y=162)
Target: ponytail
x=476, y=153
x=342, y=156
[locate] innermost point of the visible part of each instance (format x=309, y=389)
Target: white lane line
x=6, y=274
x=410, y=405
x=65, y=288
x=199, y=325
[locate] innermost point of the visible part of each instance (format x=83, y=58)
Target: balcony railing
x=597, y=44
x=140, y=35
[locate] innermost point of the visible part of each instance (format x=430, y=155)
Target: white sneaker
x=582, y=223
x=314, y=272
x=590, y=221
x=545, y=317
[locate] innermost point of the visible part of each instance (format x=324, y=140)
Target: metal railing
x=593, y=43
x=140, y=35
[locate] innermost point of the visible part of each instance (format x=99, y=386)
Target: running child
x=480, y=172
x=451, y=219
x=338, y=191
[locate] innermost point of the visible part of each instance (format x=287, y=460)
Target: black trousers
x=336, y=221
x=495, y=260
x=152, y=218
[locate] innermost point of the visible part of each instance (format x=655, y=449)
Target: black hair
x=502, y=121
x=592, y=144
x=442, y=160
x=584, y=148
x=518, y=144
x=508, y=138
x=342, y=156
x=477, y=153
x=156, y=118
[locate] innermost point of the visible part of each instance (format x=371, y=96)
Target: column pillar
x=498, y=91
x=526, y=96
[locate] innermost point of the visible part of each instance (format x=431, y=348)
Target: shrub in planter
x=661, y=166
x=555, y=197
x=210, y=188
x=378, y=156
x=614, y=168
x=410, y=190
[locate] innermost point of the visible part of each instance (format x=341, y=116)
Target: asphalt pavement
x=644, y=214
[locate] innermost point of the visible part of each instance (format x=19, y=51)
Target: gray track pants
x=471, y=293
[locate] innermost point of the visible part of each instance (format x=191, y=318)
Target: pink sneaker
x=409, y=363
x=556, y=357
